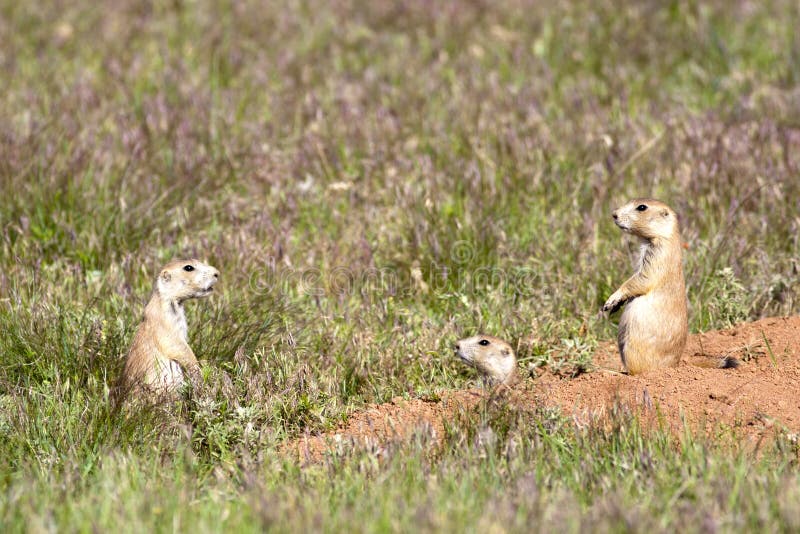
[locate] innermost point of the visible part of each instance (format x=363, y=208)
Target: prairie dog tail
x=714, y=362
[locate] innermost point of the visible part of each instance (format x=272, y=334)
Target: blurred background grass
x=374, y=180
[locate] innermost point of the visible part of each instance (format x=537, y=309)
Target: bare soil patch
x=753, y=401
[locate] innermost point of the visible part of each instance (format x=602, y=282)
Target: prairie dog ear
x=505, y=352
x=165, y=276
x=665, y=213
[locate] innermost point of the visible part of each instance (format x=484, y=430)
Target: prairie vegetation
x=375, y=180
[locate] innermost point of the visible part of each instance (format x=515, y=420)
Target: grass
x=375, y=180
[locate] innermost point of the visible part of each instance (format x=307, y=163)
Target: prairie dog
x=492, y=357
x=654, y=325
x=160, y=354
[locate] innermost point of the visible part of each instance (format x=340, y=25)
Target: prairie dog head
x=646, y=218
x=491, y=356
x=186, y=279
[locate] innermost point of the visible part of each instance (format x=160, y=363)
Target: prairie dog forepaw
x=613, y=303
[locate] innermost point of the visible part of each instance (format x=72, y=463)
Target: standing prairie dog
x=654, y=324
x=160, y=354
x=492, y=357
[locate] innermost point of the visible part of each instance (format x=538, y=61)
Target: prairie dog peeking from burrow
x=491, y=356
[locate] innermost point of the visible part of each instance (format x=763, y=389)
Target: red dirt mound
x=760, y=396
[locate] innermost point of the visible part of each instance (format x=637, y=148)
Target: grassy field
x=375, y=180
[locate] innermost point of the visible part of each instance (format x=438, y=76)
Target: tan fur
x=492, y=357
x=654, y=324
x=160, y=354
x=714, y=362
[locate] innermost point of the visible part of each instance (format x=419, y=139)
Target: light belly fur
x=653, y=334
x=167, y=375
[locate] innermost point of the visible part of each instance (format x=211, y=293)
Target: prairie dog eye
x=188, y=268
x=641, y=207
x=483, y=342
